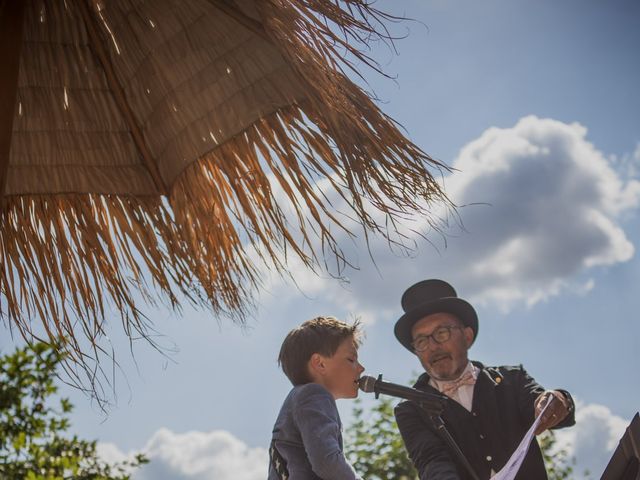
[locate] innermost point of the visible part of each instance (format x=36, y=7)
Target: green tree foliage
x=374, y=446
x=32, y=446
x=375, y=449
x=559, y=465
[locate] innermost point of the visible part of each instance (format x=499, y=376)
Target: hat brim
x=454, y=305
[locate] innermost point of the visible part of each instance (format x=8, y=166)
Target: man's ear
x=468, y=336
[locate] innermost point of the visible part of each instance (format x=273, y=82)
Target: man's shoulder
x=503, y=369
x=422, y=383
x=502, y=373
x=406, y=407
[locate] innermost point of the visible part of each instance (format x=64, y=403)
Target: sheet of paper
x=510, y=469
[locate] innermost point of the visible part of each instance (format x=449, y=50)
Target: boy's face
x=340, y=373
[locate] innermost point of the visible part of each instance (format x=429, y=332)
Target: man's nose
x=360, y=367
x=432, y=345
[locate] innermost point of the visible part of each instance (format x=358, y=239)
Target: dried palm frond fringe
x=68, y=258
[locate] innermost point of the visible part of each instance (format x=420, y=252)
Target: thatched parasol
x=140, y=143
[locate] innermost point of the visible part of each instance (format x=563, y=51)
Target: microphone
x=377, y=386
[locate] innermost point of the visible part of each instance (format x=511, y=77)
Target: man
x=489, y=408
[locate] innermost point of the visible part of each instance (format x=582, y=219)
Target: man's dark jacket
x=501, y=413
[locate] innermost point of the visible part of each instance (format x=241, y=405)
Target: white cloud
x=592, y=440
x=541, y=209
x=629, y=163
x=110, y=453
x=216, y=455
x=219, y=455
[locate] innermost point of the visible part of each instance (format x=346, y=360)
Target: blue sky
x=537, y=106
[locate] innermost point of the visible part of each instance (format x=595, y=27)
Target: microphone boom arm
x=430, y=402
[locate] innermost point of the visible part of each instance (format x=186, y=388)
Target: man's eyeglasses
x=439, y=335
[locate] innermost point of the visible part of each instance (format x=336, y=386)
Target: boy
x=320, y=358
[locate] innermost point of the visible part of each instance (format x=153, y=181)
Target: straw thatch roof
x=145, y=141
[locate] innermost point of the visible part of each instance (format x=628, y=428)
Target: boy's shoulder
x=311, y=389
x=311, y=402
x=312, y=392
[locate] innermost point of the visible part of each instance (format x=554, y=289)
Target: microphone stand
x=433, y=406
x=437, y=422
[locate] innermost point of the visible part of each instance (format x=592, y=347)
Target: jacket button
x=481, y=437
x=474, y=414
x=489, y=458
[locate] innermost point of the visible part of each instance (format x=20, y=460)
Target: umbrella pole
x=11, y=24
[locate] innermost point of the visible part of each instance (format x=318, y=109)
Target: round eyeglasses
x=439, y=335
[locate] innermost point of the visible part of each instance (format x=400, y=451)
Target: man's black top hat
x=432, y=296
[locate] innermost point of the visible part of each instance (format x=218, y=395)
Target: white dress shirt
x=464, y=394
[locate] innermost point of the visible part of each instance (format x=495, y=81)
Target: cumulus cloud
x=551, y=206
x=220, y=455
x=541, y=207
x=110, y=453
x=216, y=455
x=592, y=440
x=629, y=163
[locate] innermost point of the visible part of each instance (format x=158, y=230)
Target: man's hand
x=556, y=412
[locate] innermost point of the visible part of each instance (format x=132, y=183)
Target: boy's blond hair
x=321, y=335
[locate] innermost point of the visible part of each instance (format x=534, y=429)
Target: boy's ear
x=316, y=364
